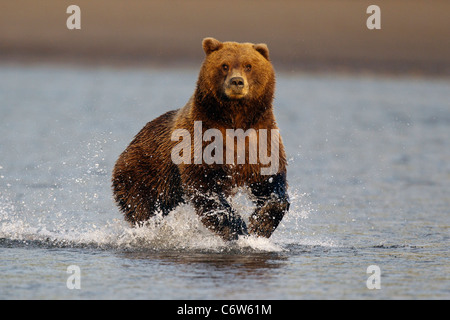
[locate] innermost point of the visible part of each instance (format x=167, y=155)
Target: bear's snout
x=237, y=83
x=236, y=87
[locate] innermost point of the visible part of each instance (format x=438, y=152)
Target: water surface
x=369, y=179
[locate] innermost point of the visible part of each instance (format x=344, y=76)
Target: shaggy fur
x=235, y=90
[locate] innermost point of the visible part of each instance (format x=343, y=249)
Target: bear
x=234, y=91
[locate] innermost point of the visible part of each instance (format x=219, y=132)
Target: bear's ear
x=211, y=44
x=263, y=49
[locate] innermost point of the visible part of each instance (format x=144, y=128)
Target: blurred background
x=302, y=35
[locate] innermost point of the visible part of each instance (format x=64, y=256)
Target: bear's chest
x=242, y=175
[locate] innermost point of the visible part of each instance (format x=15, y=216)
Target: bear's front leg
x=272, y=203
x=206, y=189
x=218, y=216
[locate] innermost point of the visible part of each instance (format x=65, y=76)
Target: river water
x=369, y=181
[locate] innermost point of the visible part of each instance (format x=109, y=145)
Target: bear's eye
x=225, y=67
x=248, y=67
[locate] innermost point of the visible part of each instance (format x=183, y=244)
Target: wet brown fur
x=145, y=179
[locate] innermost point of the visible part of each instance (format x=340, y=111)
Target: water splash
x=74, y=207
x=180, y=230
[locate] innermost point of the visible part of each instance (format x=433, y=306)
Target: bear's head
x=236, y=72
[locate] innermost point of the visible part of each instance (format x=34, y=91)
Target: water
x=369, y=175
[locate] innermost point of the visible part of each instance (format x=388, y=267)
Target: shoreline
x=309, y=35
x=331, y=68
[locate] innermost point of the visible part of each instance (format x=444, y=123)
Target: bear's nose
x=237, y=82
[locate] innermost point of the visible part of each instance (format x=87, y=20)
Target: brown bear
x=234, y=91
